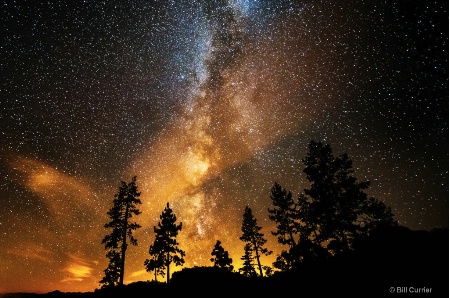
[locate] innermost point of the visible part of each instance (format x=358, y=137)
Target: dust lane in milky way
x=207, y=103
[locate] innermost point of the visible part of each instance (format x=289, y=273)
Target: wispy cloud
x=77, y=269
x=53, y=185
x=32, y=251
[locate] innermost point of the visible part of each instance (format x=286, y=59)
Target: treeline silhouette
x=336, y=241
x=393, y=256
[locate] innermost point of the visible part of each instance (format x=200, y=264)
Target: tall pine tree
x=164, y=250
x=252, y=236
x=124, y=208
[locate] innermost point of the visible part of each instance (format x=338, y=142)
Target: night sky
x=208, y=103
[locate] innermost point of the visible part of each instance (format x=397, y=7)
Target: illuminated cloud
x=70, y=201
x=77, y=269
x=55, y=187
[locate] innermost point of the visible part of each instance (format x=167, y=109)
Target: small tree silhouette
x=220, y=257
x=125, y=206
x=164, y=250
x=156, y=263
x=290, y=231
x=248, y=266
x=251, y=234
x=284, y=214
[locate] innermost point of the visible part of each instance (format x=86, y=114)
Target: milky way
x=208, y=103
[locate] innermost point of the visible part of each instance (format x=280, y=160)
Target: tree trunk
x=259, y=263
x=168, y=267
x=124, y=245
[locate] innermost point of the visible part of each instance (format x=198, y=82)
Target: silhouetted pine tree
x=285, y=215
x=125, y=206
x=157, y=261
x=248, y=266
x=291, y=231
x=329, y=216
x=251, y=235
x=221, y=258
x=165, y=247
x=334, y=209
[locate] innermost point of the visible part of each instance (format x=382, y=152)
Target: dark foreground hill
x=393, y=261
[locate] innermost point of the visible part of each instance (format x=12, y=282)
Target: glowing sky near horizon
x=208, y=103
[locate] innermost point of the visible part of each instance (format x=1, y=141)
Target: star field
x=208, y=103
